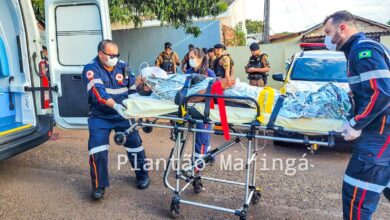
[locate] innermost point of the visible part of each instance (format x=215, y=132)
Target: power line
x=304, y=11
x=288, y=14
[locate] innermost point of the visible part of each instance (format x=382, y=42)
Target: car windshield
x=320, y=69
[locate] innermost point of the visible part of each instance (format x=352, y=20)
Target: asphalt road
x=52, y=182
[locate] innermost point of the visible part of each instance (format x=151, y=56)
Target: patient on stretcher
x=329, y=101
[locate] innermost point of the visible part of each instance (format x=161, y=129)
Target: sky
x=298, y=15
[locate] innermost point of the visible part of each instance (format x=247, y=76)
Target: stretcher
x=243, y=123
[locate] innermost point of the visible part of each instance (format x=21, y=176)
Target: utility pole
x=266, y=21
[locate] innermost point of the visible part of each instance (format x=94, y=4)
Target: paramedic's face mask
x=194, y=60
x=333, y=35
x=109, y=57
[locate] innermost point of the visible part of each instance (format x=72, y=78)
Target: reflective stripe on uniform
x=98, y=149
x=374, y=74
x=116, y=91
x=93, y=82
x=380, y=45
x=199, y=155
x=364, y=185
x=134, y=150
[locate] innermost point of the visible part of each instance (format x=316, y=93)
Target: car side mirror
x=287, y=66
x=278, y=77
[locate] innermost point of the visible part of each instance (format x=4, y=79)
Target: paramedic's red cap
x=254, y=47
x=219, y=46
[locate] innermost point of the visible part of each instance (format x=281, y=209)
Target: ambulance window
x=78, y=31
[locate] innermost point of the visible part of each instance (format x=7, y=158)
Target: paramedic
x=257, y=67
x=368, y=63
x=168, y=60
x=223, y=63
x=108, y=82
x=199, y=65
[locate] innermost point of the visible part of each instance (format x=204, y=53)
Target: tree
x=388, y=23
x=253, y=26
x=178, y=13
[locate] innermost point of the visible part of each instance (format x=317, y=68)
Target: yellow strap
x=15, y=130
x=183, y=111
x=266, y=106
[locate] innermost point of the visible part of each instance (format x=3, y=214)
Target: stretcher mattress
x=144, y=107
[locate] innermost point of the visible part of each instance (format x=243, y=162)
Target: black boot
x=386, y=193
x=143, y=183
x=98, y=193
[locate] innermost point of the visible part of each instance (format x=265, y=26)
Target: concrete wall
x=386, y=41
x=278, y=54
x=146, y=43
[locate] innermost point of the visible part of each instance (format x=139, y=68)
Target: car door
x=73, y=31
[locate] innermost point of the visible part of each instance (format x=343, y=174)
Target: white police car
x=312, y=68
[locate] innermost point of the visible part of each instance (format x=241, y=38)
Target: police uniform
x=368, y=171
x=186, y=62
x=259, y=61
x=103, y=85
x=221, y=64
x=168, y=62
x=211, y=63
x=202, y=140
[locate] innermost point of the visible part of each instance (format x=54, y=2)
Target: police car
x=29, y=101
x=310, y=69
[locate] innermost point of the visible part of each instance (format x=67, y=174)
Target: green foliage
x=39, y=9
x=253, y=26
x=240, y=38
x=178, y=13
x=388, y=23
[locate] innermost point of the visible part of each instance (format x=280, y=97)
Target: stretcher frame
x=182, y=126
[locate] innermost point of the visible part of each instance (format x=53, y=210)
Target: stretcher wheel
x=120, y=138
x=198, y=185
x=175, y=209
x=147, y=129
x=256, y=197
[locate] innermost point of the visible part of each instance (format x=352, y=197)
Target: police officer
x=211, y=58
x=185, y=63
x=168, y=60
x=107, y=81
x=257, y=67
x=223, y=64
x=368, y=64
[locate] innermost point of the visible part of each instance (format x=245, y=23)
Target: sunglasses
x=112, y=56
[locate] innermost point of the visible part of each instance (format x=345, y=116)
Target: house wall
x=362, y=26
x=278, y=54
x=146, y=43
x=385, y=40
x=234, y=15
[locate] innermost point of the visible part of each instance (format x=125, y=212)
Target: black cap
x=219, y=46
x=204, y=50
x=168, y=45
x=210, y=50
x=254, y=46
x=191, y=46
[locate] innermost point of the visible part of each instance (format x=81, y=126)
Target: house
x=372, y=29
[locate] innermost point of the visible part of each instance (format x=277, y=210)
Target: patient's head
x=143, y=89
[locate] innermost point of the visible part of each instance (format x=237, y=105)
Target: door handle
x=76, y=78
